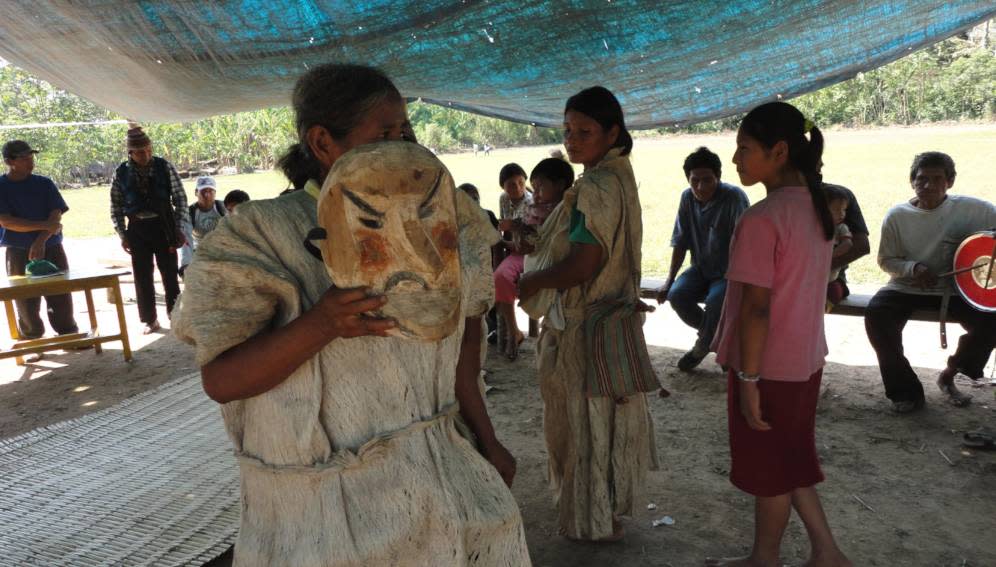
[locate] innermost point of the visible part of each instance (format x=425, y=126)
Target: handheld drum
x=973, y=270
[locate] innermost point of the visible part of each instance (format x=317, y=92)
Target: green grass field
x=872, y=163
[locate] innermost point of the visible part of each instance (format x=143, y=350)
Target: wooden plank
x=853, y=305
x=50, y=340
x=58, y=345
x=649, y=287
x=93, y=318
x=12, y=325
x=122, y=323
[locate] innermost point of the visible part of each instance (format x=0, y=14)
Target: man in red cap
x=31, y=211
x=148, y=192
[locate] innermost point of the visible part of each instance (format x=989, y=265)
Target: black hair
x=835, y=193
x=510, y=170
x=470, y=189
x=781, y=122
x=934, y=159
x=336, y=97
x=599, y=104
x=703, y=158
x=236, y=197
x=556, y=170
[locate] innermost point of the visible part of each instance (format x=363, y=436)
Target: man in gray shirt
x=708, y=213
x=919, y=239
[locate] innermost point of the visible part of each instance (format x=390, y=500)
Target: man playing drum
x=919, y=239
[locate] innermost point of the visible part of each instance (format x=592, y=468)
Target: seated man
x=919, y=239
x=707, y=214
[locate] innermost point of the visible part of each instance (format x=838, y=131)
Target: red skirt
x=775, y=462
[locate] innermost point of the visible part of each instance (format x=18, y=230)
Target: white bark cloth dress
x=599, y=450
x=354, y=459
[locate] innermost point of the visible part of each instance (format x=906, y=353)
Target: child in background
x=838, y=202
x=234, y=198
x=550, y=178
x=514, y=198
x=771, y=333
x=471, y=190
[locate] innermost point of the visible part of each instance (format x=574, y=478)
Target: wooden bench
x=856, y=304
x=853, y=305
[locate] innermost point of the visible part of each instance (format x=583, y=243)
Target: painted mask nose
x=422, y=249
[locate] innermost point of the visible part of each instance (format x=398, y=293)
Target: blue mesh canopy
x=672, y=62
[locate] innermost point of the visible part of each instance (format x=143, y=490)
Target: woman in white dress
x=346, y=437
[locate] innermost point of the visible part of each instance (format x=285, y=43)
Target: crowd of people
x=358, y=444
x=148, y=211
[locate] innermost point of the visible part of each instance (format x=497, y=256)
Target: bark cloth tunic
x=354, y=459
x=599, y=450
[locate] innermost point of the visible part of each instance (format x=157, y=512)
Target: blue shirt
x=33, y=198
x=706, y=229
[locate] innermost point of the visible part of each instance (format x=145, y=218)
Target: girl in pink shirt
x=770, y=333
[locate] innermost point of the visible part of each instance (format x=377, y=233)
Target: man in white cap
x=148, y=192
x=206, y=212
x=31, y=211
x=204, y=216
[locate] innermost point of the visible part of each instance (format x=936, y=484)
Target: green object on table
x=41, y=268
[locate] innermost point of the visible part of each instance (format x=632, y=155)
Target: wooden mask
x=389, y=212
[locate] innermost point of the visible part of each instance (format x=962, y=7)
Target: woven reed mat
x=150, y=481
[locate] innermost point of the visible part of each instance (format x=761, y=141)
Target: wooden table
x=85, y=280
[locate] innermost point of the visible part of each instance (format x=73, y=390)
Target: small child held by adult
x=843, y=241
x=550, y=178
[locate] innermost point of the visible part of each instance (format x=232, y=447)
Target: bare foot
x=150, y=328
x=512, y=346
x=749, y=561
x=832, y=560
x=945, y=381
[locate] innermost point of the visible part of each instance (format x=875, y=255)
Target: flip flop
x=979, y=440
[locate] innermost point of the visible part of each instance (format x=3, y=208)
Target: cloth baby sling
x=618, y=363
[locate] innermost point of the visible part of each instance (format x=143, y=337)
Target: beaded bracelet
x=744, y=377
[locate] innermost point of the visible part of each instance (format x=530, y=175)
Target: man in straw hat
x=148, y=192
x=31, y=210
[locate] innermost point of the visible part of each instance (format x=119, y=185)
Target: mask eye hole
x=425, y=211
x=372, y=223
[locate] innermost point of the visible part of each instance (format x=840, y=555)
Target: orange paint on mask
x=373, y=252
x=445, y=237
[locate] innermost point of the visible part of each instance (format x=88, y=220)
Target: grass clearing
x=873, y=163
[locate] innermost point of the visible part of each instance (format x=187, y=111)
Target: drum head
x=973, y=251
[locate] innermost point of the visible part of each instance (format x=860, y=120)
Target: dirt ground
x=891, y=495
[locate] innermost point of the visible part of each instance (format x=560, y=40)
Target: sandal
x=906, y=406
x=979, y=440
